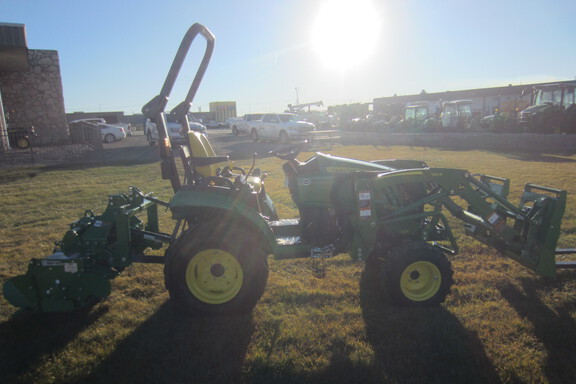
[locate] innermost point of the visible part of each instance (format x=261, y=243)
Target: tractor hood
x=328, y=164
x=535, y=109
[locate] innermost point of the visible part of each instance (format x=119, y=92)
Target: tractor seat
x=202, y=157
x=200, y=160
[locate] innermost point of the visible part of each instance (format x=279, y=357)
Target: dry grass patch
x=501, y=323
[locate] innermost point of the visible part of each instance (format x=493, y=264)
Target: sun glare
x=346, y=33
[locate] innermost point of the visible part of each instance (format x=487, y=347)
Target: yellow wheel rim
x=420, y=281
x=214, y=276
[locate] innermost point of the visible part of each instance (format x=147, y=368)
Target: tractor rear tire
x=216, y=272
x=416, y=274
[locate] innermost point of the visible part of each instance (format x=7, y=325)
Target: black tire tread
x=248, y=252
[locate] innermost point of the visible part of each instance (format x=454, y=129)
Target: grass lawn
x=501, y=323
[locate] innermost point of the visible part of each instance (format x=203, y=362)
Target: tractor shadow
x=554, y=327
x=173, y=347
x=538, y=157
x=422, y=345
x=26, y=339
x=526, y=156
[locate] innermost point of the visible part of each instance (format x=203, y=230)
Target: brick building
x=31, y=91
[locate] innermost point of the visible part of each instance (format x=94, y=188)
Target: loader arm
x=527, y=233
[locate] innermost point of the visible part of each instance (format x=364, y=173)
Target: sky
x=115, y=54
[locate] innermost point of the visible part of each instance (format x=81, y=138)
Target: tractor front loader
x=390, y=213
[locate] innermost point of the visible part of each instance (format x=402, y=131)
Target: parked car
x=283, y=127
x=127, y=126
x=213, y=124
x=174, y=129
x=110, y=133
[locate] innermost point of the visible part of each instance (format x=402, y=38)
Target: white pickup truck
x=283, y=127
x=244, y=124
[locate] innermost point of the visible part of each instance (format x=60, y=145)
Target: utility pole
x=297, y=98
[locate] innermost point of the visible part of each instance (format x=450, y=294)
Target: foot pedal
x=319, y=256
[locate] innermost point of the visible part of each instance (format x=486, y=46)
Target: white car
x=174, y=129
x=110, y=133
x=282, y=127
x=213, y=124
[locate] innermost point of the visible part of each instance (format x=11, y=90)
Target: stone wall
x=35, y=97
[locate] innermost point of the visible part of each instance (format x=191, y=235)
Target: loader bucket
x=544, y=207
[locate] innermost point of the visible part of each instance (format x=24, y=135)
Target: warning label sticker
x=51, y=263
x=365, y=212
x=364, y=196
x=494, y=218
x=70, y=267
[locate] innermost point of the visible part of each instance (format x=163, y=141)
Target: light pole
x=297, y=98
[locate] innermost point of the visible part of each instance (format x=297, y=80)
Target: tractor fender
x=207, y=206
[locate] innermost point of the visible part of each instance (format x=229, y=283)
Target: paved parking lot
x=135, y=148
x=239, y=147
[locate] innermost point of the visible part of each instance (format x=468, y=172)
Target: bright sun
x=346, y=32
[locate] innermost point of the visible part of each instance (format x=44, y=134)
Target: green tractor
x=417, y=118
x=552, y=110
x=388, y=213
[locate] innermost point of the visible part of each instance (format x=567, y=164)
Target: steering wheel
x=227, y=171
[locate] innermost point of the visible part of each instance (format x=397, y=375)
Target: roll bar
x=154, y=109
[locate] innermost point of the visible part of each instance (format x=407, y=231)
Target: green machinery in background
x=389, y=213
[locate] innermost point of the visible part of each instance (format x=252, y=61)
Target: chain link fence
x=24, y=146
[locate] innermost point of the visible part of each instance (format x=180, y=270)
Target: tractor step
x=148, y=259
x=288, y=240
x=285, y=227
x=291, y=247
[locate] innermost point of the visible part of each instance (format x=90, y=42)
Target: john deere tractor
x=390, y=213
x=553, y=110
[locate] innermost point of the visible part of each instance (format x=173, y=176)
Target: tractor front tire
x=416, y=274
x=216, y=273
